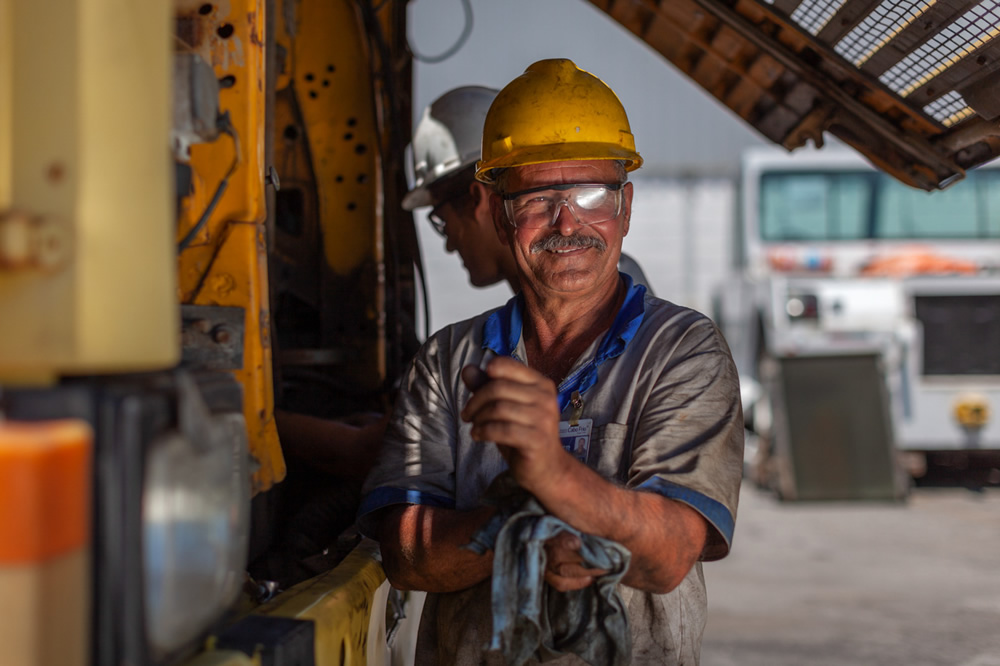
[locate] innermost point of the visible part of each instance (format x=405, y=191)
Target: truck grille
x=961, y=334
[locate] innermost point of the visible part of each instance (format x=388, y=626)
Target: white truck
x=863, y=313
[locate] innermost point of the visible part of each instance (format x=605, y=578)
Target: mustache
x=576, y=241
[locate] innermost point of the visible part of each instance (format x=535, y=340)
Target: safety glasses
x=590, y=203
x=434, y=217
x=436, y=222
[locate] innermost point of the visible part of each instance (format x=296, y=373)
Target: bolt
x=272, y=178
x=221, y=335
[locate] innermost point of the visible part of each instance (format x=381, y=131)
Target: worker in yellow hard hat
x=556, y=470
x=445, y=149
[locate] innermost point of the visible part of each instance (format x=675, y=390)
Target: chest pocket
x=609, y=455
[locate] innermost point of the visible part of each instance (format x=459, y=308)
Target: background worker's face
x=469, y=231
x=546, y=257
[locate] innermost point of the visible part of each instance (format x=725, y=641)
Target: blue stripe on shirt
x=387, y=496
x=715, y=512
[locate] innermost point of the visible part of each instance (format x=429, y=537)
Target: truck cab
x=836, y=259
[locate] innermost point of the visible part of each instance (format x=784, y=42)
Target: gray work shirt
x=662, y=392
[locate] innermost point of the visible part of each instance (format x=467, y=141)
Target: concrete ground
x=915, y=583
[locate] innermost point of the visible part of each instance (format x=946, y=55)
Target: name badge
x=576, y=438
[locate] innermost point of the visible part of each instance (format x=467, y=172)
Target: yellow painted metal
x=326, y=86
x=224, y=658
x=331, y=74
x=340, y=603
x=6, y=82
x=84, y=151
x=227, y=262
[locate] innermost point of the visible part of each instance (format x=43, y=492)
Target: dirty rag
x=533, y=619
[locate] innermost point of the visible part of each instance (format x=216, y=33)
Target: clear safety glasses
x=590, y=203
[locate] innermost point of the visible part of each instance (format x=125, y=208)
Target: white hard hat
x=448, y=138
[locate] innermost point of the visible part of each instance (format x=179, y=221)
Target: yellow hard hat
x=554, y=112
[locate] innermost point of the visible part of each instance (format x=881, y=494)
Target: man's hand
x=564, y=568
x=517, y=408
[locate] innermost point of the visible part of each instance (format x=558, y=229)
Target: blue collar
x=502, y=332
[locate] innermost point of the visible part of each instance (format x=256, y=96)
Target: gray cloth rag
x=531, y=618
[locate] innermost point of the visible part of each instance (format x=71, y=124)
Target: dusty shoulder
x=679, y=324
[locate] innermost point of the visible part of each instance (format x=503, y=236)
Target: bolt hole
x=205, y=9
x=225, y=30
x=361, y=149
x=981, y=60
x=339, y=178
x=351, y=122
x=310, y=77
x=291, y=132
x=351, y=205
x=312, y=94
x=331, y=68
x=348, y=136
x=362, y=178
x=326, y=83
x=227, y=81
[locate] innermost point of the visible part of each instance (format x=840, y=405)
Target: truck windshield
x=857, y=205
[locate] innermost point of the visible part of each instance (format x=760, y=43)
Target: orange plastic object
x=917, y=261
x=44, y=489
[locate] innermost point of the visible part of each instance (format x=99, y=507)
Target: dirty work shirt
x=662, y=392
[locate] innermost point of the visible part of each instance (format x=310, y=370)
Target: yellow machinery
x=200, y=223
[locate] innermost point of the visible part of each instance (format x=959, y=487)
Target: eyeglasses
x=590, y=203
x=436, y=221
x=434, y=217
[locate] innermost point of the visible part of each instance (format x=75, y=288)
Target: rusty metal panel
x=886, y=76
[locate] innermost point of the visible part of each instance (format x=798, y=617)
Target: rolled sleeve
x=689, y=440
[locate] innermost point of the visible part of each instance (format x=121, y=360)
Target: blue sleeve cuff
x=714, y=512
x=387, y=496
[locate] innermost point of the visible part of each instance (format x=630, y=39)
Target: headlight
x=802, y=307
x=195, y=529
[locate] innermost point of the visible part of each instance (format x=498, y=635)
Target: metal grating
x=949, y=109
x=914, y=85
x=813, y=15
x=878, y=28
x=970, y=31
x=960, y=334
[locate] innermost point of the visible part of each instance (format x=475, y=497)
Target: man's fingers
x=565, y=565
x=567, y=584
x=504, y=367
x=474, y=378
x=523, y=397
x=564, y=541
x=571, y=570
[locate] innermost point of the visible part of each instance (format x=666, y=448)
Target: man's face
x=566, y=255
x=464, y=220
x=473, y=238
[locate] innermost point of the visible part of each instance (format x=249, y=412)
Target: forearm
x=665, y=537
x=333, y=446
x=422, y=548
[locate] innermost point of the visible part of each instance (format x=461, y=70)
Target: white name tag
x=576, y=438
